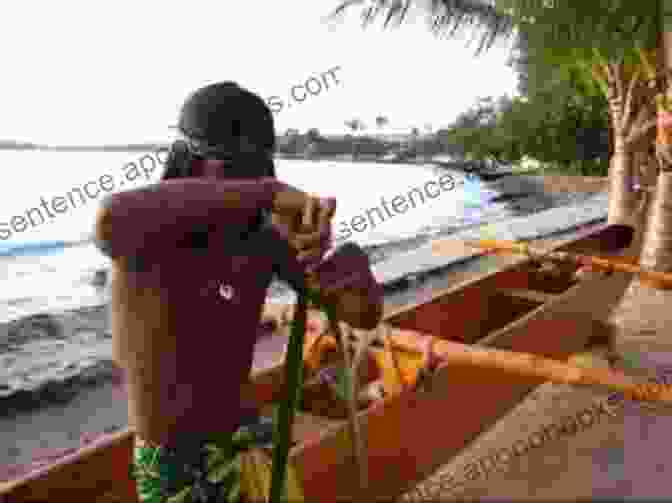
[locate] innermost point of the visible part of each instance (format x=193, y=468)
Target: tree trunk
x=631, y=117
x=657, y=250
x=646, y=307
x=622, y=197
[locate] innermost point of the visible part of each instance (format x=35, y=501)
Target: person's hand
x=345, y=281
x=289, y=202
x=312, y=236
x=305, y=221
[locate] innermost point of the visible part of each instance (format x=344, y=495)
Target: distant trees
x=355, y=125
x=382, y=121
x=568, y=131
x=291, y=142
x=313, y=135
x=17, y=145
x=553, y=124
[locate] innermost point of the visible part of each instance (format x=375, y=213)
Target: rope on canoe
x=293, y=384
x=350, y=369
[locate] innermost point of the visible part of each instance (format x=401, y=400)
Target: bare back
x=184, y=333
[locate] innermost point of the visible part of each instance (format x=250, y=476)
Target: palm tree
x=355, y=125
x=640, y=309
x=593, y=44
x=454, y=17
x=628, y=64
x=617, y=48
x=382, y=121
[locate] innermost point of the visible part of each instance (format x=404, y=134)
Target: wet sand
x=56, y=428
x=563, y=443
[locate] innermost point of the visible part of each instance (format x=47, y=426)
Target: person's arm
x=147, y=220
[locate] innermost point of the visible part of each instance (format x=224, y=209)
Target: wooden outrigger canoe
x=409, y=434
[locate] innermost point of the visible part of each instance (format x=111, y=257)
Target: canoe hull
x=408, y=434
x=411, y=434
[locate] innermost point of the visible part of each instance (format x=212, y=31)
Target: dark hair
x=226, y=116
x=178, y=164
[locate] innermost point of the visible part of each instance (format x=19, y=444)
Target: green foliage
x=451, y=18
x=293, y=384
x=382, y=121
x=355, y=125
x=596, y=167
x=342, y=386
x=572, y=36
x=576, y=36
x=556, y=130
x=572, y=29
x=313, y=144
x=568, y=28
x=313, y=134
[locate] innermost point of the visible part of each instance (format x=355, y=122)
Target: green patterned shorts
x=207, y=473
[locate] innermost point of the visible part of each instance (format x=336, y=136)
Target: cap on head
x=222, y=114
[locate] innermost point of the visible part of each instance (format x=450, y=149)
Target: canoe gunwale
x=565, y=330
x=265, y=383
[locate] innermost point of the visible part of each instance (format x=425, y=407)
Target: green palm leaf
x=228, y=470
x=564, y=34
x=287, y=409
x=181, y=497
x=450, y=18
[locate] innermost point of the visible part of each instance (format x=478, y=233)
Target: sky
x=88, y=72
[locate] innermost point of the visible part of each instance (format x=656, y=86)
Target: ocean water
x=55, y=341
x=54, y=328
x=49, y=265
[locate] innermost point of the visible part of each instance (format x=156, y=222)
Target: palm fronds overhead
x=449, y=18
x=570, y=29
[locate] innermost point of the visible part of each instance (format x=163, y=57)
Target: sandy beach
x=563, y=443
x=97, y=409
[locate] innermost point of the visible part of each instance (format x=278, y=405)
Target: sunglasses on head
x=201, y=150
x=242, y=160
x=199, y=147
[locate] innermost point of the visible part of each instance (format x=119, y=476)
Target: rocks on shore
x=39, y=326
x=48, y=358
x=34, y=394
x=100, y=278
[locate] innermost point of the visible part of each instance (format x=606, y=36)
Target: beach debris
x=100, y=278
x=38, y=326
x=589, y=359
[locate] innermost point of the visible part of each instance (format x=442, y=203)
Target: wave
x=32, y=248
x=393, y=260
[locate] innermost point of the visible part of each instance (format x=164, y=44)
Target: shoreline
x=51, y=356
x=101, y=407
x=97, y=406
x=440, y=159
